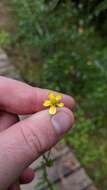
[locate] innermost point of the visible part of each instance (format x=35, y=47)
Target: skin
x=22, y=142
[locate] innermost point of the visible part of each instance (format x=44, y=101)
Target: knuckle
x=27, y=97
x=31, y=139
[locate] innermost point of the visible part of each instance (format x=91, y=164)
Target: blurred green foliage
x=61, y=45
x=4, y=39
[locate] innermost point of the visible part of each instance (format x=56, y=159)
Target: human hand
x=23, y=142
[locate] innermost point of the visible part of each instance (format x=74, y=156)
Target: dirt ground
x=4, y=16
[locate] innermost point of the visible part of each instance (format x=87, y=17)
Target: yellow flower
x=53, y=102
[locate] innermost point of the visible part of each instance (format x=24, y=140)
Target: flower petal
x=47, y=103
x=60, y=105
x=52, y=110
x=51, y=96
x=59, y=97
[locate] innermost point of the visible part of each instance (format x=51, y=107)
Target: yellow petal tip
x=60, y=105
x=52, y=110
x=46, y=103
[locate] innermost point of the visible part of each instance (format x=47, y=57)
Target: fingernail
x=62, y=122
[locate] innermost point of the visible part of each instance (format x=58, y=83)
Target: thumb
x=24, y=142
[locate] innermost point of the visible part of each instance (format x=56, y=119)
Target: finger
x=7, y=119
x=15, y=186
x=20, y=98
x=27, y=176
x=28, y=139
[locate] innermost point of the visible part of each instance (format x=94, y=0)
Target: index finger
x=20, y=98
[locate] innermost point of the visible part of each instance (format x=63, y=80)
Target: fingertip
x=27, y=176
x=63, y=121
x=69, y=101
x=69, y=112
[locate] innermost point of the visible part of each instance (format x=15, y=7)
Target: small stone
x=92, y=187
x=77, y=181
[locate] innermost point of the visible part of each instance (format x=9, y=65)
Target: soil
x=5, y=23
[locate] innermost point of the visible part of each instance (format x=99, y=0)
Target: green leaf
x=102, y=6
x=52, y=5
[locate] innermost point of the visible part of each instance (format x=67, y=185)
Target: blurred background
x=62, y=45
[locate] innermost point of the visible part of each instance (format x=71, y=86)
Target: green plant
x=89, y=147
x=4, y=39
x=44, y=181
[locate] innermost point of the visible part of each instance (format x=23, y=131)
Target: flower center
x=54, y=102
